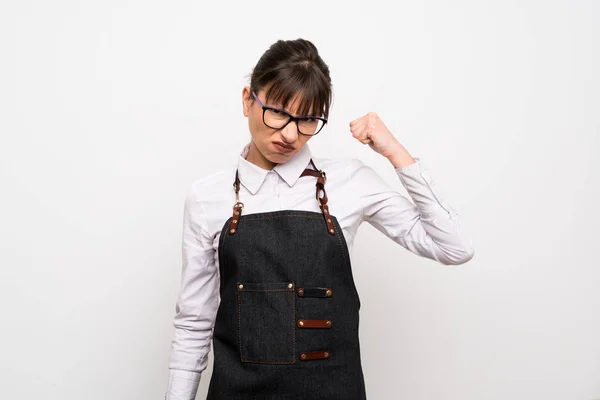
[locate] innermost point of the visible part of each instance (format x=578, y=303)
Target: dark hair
x=291, y=67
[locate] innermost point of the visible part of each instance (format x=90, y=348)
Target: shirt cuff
x=183, y=385
x=411, y=168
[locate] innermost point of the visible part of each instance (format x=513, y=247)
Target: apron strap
x=321, y=178
x=237, y=207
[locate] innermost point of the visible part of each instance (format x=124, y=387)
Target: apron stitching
x=342, y=246
x=294, y=306
x=239, y=323
x=349, y=266
x=280, y=216
x=269, y=362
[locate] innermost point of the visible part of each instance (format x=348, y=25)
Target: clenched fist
x=371, y=130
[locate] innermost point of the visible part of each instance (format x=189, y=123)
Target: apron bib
x=287, y=323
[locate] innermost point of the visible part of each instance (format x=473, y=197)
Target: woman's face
x=276, y=146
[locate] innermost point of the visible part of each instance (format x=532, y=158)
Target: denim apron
x=287, y=323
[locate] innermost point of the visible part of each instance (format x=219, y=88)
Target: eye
x=275, y=111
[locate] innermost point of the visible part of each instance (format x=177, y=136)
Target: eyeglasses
x=278, y=119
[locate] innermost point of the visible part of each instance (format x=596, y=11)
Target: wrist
x=400, y=157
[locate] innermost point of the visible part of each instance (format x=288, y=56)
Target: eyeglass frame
x=290, y=117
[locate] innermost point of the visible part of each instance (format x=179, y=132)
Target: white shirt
x=429, y=228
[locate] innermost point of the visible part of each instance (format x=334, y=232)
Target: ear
x=246, y=100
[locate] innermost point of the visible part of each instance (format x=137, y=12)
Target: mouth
x=283, y=148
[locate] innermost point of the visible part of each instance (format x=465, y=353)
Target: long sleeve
x=429, y=227
x=196, y=305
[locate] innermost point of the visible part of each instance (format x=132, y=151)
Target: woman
x=269, y=279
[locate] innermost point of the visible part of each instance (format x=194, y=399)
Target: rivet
x=326, y=354
x=329, y=220
x=234, y=221
x=328, y=323
x=232, y=231
x=237, y=213
x=301, y=323
x=290, y=285
x=328, y=293
x=303, y=356
x=331, y=230
x=301, y=292
x=240, y=286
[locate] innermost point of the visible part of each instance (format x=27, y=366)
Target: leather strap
x=321, y=178
x=314, y=355
x=314, y=323
x=237, y=207
x=315, y=292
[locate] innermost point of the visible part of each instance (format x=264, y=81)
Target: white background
x=111, y=109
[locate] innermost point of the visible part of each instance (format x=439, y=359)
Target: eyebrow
x=294, y=115
x=286, y=111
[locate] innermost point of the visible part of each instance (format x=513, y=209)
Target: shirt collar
x=252, y=176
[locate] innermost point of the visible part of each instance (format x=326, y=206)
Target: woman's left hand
x=371, y=130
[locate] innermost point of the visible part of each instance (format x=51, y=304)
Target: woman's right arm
x=197, y=303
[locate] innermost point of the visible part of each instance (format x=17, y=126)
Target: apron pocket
x=267, y=322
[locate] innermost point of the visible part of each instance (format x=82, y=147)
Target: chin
x=280, y=158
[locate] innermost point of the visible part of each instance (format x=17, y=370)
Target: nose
x=289, y=134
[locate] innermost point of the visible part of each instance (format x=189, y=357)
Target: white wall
x=110, y=109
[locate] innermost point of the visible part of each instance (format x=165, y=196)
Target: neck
x=255, y=157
